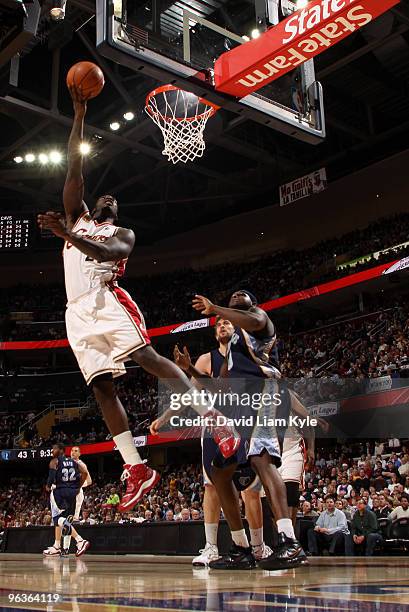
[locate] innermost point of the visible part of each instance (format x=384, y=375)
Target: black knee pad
x=293, y=494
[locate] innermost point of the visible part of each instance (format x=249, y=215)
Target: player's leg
x=289, y=552
x=211, y=509
x=57, y=510
x=293, y=499
x=254, y=516
x=225, y=436
x=240, y=555
x=78, y=504
x=82, y=544
x=139, y=477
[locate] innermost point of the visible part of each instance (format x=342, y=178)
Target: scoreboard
x=15, y=232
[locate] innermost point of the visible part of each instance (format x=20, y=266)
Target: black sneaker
x=65, y=552
x=288, y=554
x=239, y=558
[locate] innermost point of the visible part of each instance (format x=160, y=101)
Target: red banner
x=298, y=38
x=293, y=298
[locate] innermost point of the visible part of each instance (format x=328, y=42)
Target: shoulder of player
x=125, y=234
x=203, y=363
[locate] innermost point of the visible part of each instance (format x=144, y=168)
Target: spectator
x=169, y=515
x=401, y=511
x=382, y=510
x=365, y=529
x=307, y=510
x=329, y=531
x=113, y=499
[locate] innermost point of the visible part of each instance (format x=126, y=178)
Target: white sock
x=256, y=536
x=211, y=533
x=57, y=544
x=125, y=444
x=240, y=538
x=78, y=538
x=286, y=526
x=66, y=542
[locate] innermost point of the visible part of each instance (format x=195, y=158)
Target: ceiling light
x=18, y=159
x=128, y=116
x=301, y=4
x=30, y=157
x=246, y=38
x=55, y=157
x=115, y=125
x=43, y=158
x=255, y=33
x=85, y=148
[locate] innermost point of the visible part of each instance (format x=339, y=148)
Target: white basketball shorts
x=103, y=328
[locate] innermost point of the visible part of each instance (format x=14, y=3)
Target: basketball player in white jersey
x=105, y=327
x=76, y=454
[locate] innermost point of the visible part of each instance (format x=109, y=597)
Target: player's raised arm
x=254, y=319
x=73, y=194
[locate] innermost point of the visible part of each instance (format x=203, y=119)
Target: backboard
x=178, y=41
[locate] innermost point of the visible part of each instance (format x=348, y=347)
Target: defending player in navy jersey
x=65, y=479
x=248, y=358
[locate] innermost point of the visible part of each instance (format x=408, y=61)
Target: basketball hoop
x=182, y=117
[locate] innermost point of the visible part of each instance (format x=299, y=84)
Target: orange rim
x=164, y=88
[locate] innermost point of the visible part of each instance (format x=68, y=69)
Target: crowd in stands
x=269, y=277
x=352, y=495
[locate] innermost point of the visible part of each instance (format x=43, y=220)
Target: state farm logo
x=295, y=40
x=303, y=22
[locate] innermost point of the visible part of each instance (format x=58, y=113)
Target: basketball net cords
x=183, y=136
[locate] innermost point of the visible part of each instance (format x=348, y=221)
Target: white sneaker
x=52, y=551
x=209, y=553
x=261, y=552
x=82, y=547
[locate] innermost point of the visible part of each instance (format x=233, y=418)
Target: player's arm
x=308, y=431
x=116, y=247
x=52, y=473
x=252, y=320
x=83, y=473
x=73, y=194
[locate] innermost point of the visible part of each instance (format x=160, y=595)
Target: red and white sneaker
x=139, y=480
x=82, y=547
x=225, y=436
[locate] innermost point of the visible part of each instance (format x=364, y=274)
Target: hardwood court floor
x=124, y=583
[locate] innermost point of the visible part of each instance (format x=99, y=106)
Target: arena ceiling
x=366, y=92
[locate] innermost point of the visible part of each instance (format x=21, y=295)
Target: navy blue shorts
x=62, y=503
x=244, y=476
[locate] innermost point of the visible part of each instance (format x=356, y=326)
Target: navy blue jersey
x=249, y=355
x=68, y=474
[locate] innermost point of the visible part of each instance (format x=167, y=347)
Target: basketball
x=87, y=78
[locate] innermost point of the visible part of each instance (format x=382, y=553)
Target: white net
x=182, y=118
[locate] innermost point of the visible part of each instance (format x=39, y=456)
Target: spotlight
x=30, y=157
x=18, y=159
x=115, y=125
x=57, y=10
x=255, y=33
x=43, y=158
x=55, y=157
x=246, y=38
x=129, y=116
x=85, y=148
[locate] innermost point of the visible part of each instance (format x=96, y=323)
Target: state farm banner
x=190, y=325
x=303, y=187
x=298, y=38
x=402, y=264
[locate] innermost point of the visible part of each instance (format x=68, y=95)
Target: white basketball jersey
x=83, y=274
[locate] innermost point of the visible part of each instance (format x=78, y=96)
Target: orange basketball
x=87, y=78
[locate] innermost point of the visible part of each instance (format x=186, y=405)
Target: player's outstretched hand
x=182, y=360
x=203, y=305
x=154, y=427
x=55, y=222
x=80, y=105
